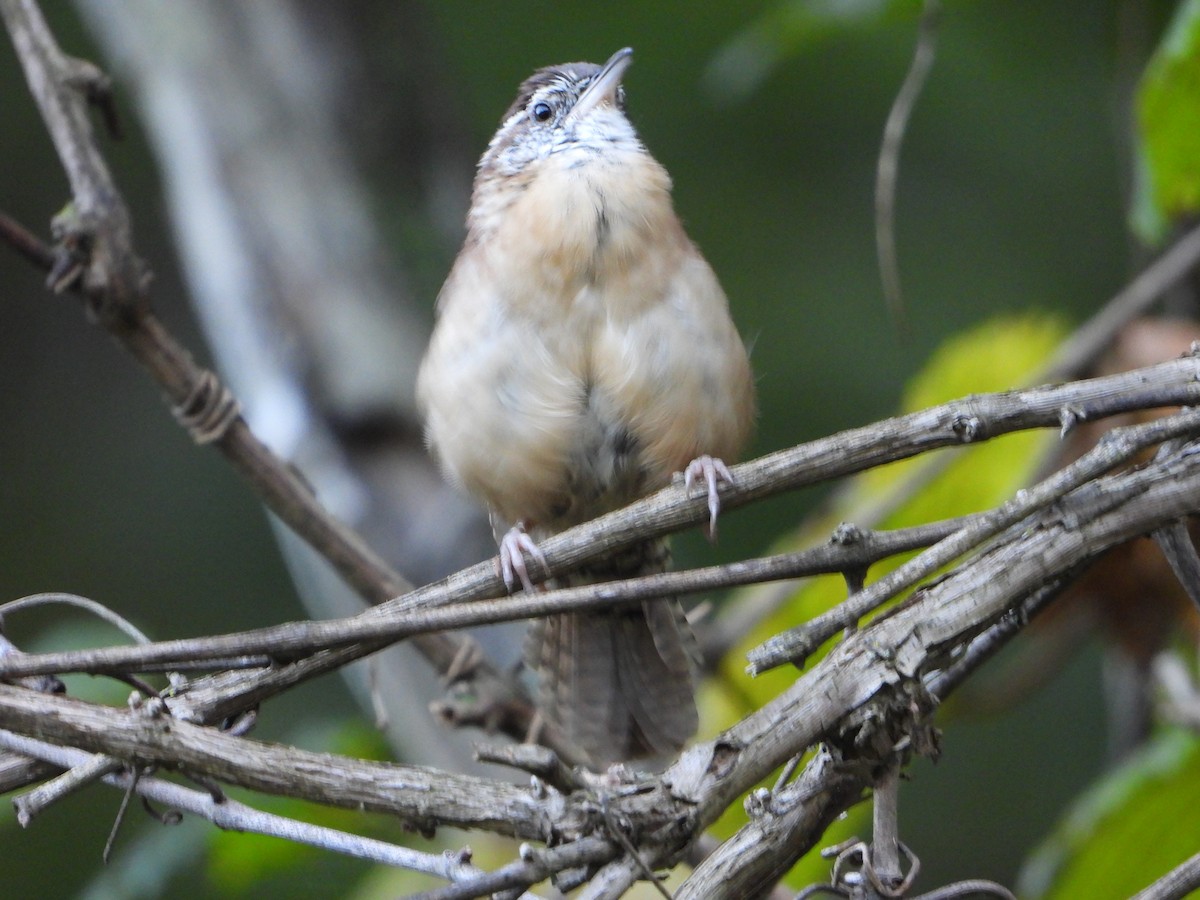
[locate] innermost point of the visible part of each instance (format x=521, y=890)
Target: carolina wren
x=584, y=353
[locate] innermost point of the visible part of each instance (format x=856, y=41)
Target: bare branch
x=94, y=768
x=424, y=797
x=1074, y=357
x=917, y=634
x=109, y=284
x=1116, y=448
x=1176, y=544
x=879, y=665
x=784, y=825
x=27, y=244
x=888, y=167
x=234, y=816
x=534, y=865
x=96, y=242
x=971, y=419
x=849, y=548
x=98, y=610
x=112, y=274
x=889, y=672
x=613, y=880
x=1176, y=884
x=18, y=771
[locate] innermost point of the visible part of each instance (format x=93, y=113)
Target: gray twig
x=888, y=167
x=235, y=816
x=1116, y=448
x=457, y=601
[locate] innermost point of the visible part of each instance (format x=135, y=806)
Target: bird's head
x=568, y=113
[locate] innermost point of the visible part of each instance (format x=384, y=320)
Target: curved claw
x=515, y=544
x=713, y=471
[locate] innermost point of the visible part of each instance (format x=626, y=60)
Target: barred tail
x=619, y=683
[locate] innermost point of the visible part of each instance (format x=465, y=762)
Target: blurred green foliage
x=1129, y=828
x=788, y=29
x=1012, y=211
x=993, y=356
x=1169, y=129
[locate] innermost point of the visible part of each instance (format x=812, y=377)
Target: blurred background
x=1014, y=196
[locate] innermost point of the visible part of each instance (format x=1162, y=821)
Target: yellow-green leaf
x=741, y=65
x=1168, y=118
x=1129, y=829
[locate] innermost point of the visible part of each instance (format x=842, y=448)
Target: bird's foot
x=514, y=546
x=712, y=471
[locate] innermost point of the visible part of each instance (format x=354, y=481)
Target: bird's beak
x=604, y=85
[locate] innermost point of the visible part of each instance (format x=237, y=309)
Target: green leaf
x=741, y=65
x=745, y=61
x=1168, y=119
x=1132, y=827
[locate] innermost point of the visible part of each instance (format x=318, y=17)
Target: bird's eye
x=542, y=111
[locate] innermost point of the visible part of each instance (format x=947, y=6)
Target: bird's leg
x=515, y=544
x=712, y=471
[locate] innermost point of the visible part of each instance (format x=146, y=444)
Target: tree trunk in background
x=252, y=110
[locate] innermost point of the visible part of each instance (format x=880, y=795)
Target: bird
x=583, y=354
